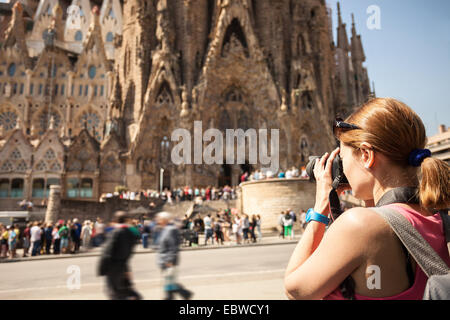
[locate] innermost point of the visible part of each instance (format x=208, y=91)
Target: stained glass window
x=55, y=167
x=12, y=69
x=92, y=72
x=22, y=166
x=78, y=36
x=91, y=121
x=7, y=166
x=8, y=120
x=15, y=154
x=109, y=37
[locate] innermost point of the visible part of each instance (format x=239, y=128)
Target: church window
x=80, y=91
x=8, y=120
x=102, y=90
x=17, y=188
x=4, y=188
x=111, y=14
x=109, y=37
x=40, y=89
x=38, y=188
x=78, y=35
x=45, y=118
x=63, y=87
x=92, y=122
x=50, y=155
x=22, y=166
x=21, y=88
x=86, y=90
x=86, y=188
x=72, y=186
x=41, y=166
x=15, y=155
x=12, y=69
x=7, y=166
x=31, y=88
x=92, y=72
x=55, y=167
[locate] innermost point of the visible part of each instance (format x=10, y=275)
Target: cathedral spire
x=356, y=44
x=342, y=31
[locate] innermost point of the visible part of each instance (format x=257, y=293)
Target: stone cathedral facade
x=90, y=91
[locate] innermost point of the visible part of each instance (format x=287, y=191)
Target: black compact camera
x=338, y=176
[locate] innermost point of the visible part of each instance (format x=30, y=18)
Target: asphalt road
x=236, y=273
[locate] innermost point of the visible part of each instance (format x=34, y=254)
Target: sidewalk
x=268, y=239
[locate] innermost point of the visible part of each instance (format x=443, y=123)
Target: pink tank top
x=432, y=230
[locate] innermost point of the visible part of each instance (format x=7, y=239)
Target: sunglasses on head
x=340, y=125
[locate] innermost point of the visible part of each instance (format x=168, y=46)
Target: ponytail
x=434, y=187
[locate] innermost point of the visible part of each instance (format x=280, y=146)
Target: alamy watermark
x=74, y=280
x=213, y=153
x=374, y=20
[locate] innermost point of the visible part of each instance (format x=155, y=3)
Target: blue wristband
x=312, y=215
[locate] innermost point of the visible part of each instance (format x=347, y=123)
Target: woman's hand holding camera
x=324, y=180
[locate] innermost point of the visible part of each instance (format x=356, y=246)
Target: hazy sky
x=409, y=57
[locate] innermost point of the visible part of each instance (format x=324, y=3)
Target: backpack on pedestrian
x=437, y=271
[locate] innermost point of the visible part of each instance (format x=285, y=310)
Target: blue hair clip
x=417, y=156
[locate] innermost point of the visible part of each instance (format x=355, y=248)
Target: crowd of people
x=186, y=193
x=40, y=238
x=269, y=174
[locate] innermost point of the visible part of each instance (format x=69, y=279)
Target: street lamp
x=161, y=174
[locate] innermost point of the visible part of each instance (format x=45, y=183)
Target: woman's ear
x=367, y=155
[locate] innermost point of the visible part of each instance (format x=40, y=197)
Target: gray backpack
x=438, y=284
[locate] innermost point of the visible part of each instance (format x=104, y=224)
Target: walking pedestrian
x=168, y=259
x=245, y=228
x=77, y=235
x=287, y=223
x=253, y=225
x=281, y=224
x=114, y=260
x=4, y=235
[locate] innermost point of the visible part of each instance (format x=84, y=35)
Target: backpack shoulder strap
x=418, y=247
x=446, y=222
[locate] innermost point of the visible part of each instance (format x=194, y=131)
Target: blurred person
x=287, y=224
x=56, y=239
x=253, y=225
x=168, y=257
x=64, y=234
x=42, y=226
x=12, y=241
x=237, y=229
x=303, y=218
x=86, y=233
x=35, y=239
x=218, y=224
x=258, y=226
x=208, y=223
x=77, y=238
x=383, y=157
x=48, y=238
x=245, y=228
x=294, y=220
x=99, y=232
x=26, y=240
x=115, y=258
x=145, y=234
x=281, y=224
x=4, y=235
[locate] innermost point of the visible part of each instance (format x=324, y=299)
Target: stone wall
x=269, y=197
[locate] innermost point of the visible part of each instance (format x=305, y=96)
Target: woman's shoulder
x=363, y=221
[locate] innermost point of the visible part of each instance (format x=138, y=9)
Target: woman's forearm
x=308, y=243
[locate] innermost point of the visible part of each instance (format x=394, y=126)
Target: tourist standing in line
x=48, y=238
x=64, y=235
x=245, y=228
x=258, y=227
x=281, y=224
x=26, y=240
x=4, y=240
x=56, y=240
x=218, y=225
x=168, y=248
x=294, y=219
x=287, y=223
x=86, y=233
x=12, y=242
x=253, y=225
x=207, y=221
x=35, y=239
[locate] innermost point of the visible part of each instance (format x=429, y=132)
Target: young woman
x=381, y=146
